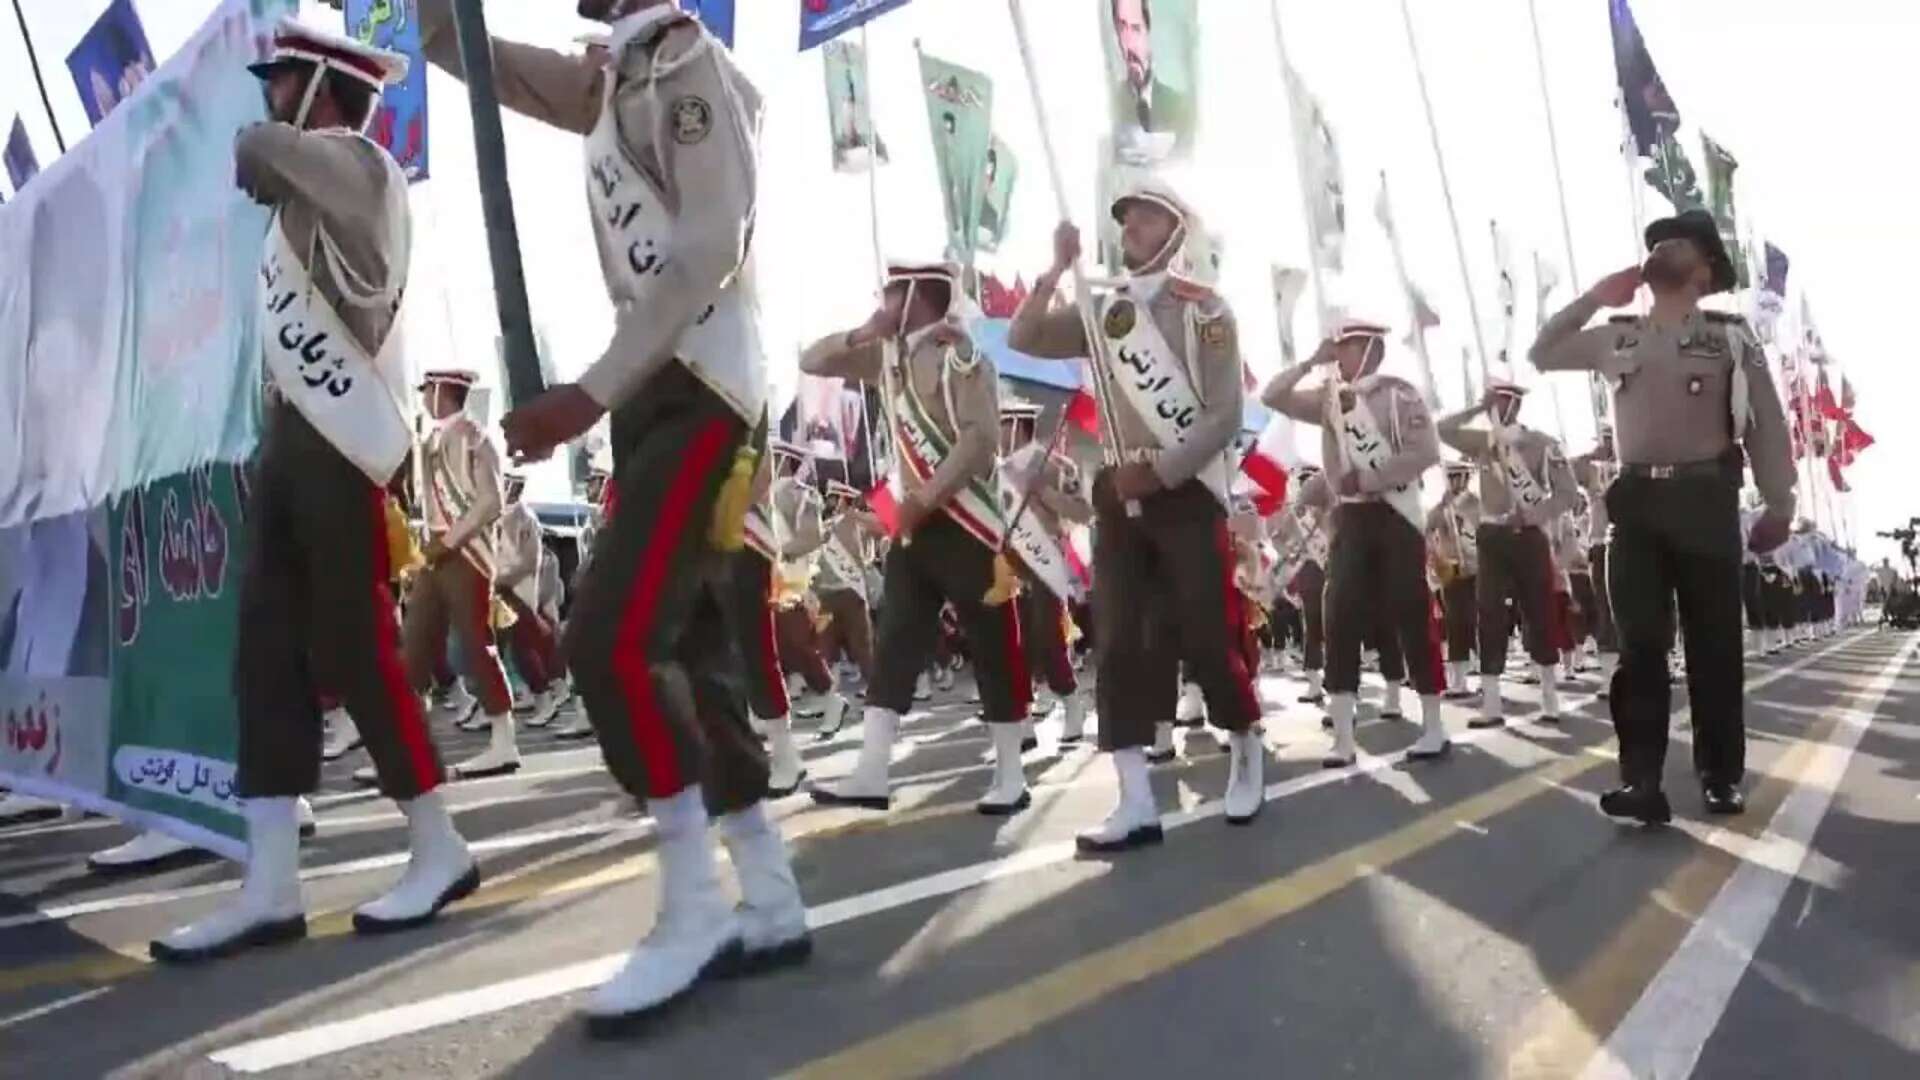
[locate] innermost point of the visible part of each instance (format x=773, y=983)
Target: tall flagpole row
x=1446, y=186
x=1322, y=307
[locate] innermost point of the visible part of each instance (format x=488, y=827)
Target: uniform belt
x=1507, y=524
x=1714, y=468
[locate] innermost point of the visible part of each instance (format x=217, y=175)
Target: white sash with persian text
x=1037, y=548
x=1160, y=388
x=844, y=565
x=922, y=447
x=1527, y=490
x=319, y=366
x=1364, y=448
x=722, y=348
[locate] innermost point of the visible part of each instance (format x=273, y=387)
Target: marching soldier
x=795, y=509
x=1595, y=471
x=336, y=433
x=1525, y=482
x=523, y=559
x=463, y=499
x=750, y=610
x=1168, y=373
x=943, y=402
x=671, y=127
x=1048, y=582
x=1453, y=529
x=840, y=582
x=1690, y=388
x=1377, y=438
x=1300, y=531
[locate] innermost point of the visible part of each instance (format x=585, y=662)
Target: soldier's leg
x=1409, y=608
x=1194, y=551
x=965, y=571
x=639, y=592
x=1533, y=591
x=1458, y=601
x=531, y=640
x=856, y=622
x=735, y=772
x=1603, y=632
x=800, y=647
x=1349, y=613
x=745, y=592
x=1640, y=583
x=423, y=632
x=1312, y=584
x=470, y=607
x=1047, y=641
x=1709, y=591
x=1493, y=585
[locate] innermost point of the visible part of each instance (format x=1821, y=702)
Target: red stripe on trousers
x=652, y=735
x=1436, y=639
x=488, y=660
x=1017, y=662
x=409, y=722
x=1236, y=619
x=770, y=665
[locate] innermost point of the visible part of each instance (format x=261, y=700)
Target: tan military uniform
x=945, y=561
x=1686, y=399
x=1380, y=432
x=523, y=559
x=1165, y=577
x=1058, y=498
x=1595, y=473
x=463, y=501
x=647, y=640
x=1300, y=530
x=1453, y=529
x=316, y=603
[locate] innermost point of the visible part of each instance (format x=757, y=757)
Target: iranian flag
x=1266, y=465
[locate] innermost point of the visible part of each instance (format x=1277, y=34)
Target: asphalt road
x=1465, y=918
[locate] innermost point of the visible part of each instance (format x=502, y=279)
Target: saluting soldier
x=1377, y=438
x=524, y=560
x=1300, y=530
x=1525, y=483
x=454, y=594
x=1049, y=585
x=316, y=605
x=1690, y=388
x=672, y=128
x=1453, y=530
x=942, y=398
x=1169, y=376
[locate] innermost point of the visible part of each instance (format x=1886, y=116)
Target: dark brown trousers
x=1516, y=564
x=1377, y=570
x=944, y=564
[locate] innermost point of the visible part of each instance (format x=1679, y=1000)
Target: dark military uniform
x=1686, y=397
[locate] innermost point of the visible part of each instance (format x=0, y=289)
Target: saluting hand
x=564, y=412
x=1618, y=288
x=1066, y=247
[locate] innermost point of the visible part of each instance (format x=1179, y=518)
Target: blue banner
x=401, y=123
x=717, y=15
x=21, y=164
x=823, y=20
x=112, y=59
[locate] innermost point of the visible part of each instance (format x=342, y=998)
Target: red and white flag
x=1267, y=465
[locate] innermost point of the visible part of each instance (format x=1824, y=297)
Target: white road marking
x=1665, y=1031
x=321, y=1040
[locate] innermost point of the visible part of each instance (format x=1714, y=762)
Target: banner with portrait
x=400, y=123
x=857, y=146
x=111, y=60
x=1002, y=171
x=1152, y=49
x=960, y=113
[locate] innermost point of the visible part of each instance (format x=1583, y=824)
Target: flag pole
x=33, y=61
x=879, y=256
x=1446, y=186
x=1418, y=333
x=1321, y=306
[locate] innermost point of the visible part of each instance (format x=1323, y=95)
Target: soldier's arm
x=1769, y=448
x=808, y=536
x=713, y=180
x=337, y=173
x=976, y=404
x=484, y=463
x=1040, y=329
x=553, y=87
x=1560, y=481
x=1225, y=397
x=1452, y=430
x=843, y=356
x=1419, y=446
x=1283, y=395
x=1563, y=345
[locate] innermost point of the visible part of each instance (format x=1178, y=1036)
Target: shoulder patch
x=692, y=120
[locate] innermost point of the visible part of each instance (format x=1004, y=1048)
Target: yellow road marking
x=946, y=1039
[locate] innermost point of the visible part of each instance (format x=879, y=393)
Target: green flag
x=1673, y=175
x=960, y=112
x=1003, y=169
x=1720, y=167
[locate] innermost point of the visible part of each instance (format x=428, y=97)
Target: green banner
x=960, y=112
x=1720, y=169
x=1674, y=177
x=178, y=546
x=1003, y=170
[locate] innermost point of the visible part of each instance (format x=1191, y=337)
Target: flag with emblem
x=1289, y=284
x=960, y=113
x=1320, y=174
x=1506, y=297
x=400, y=122
x=857, y=146
x=823, y=20
x=1720, y=169
x=1420, y=314
x=1652, y=117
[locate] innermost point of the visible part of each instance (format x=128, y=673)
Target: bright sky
x=1800, y=92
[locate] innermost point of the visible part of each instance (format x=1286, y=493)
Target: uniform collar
x=627, y=28
x=1146, y=288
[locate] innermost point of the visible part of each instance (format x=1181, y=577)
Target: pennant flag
x=1152, y=50
x=21, y=164
x=716, y=15
x=1720, y=169
x=823, y=20
x=1421, y=312
x=1651, y=114
x=1319, y=174
x=857, y=147
x=996, y=185
x=1289, y=284
x=112, y=59
x=1506, y=295
x=885, y=507
x=960, y=110
x=1777, y=266
x=400, y=123
x=1266, y=465
x=1083, y=412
